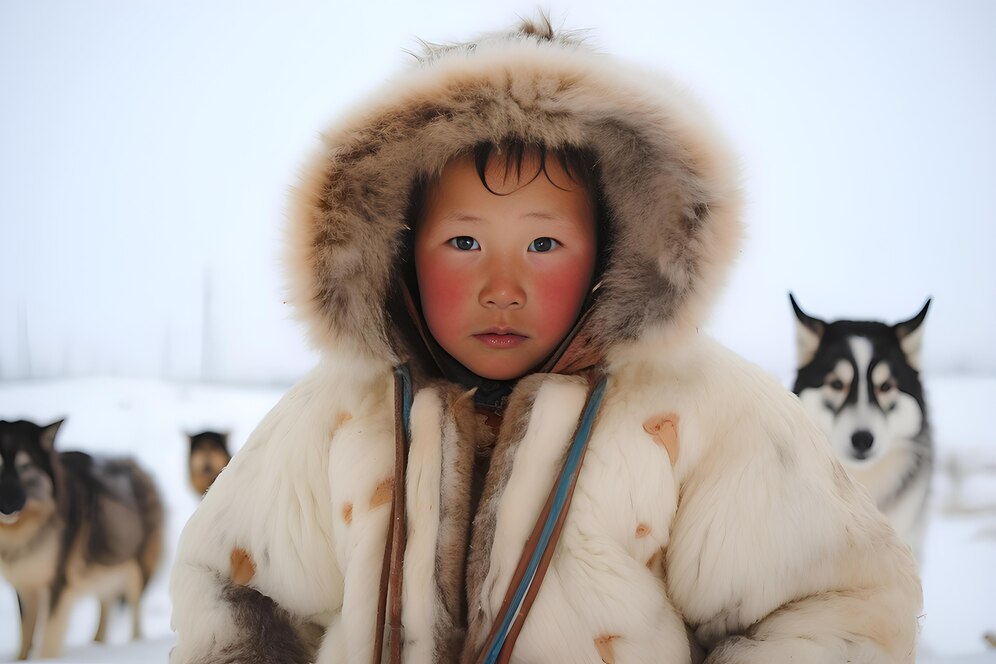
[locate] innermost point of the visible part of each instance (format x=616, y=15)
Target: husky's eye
x=885, y=387
x=836, y=384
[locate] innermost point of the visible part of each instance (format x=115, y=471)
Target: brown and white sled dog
x=860, y=382
x=208, y=457
x=72, y=524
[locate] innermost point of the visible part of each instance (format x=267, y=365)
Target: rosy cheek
x=560, y=293
x=444, y=294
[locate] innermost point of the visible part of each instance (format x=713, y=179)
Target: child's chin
x=501, y=376
x=498, y=370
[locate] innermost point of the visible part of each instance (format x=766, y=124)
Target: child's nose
x=502, y=291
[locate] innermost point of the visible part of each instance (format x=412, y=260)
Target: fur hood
x=669, y=187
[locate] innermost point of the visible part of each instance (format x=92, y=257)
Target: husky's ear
x=47, y=437
x=910, y=335
x=808, y=333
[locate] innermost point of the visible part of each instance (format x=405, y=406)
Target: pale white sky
x=146, y=152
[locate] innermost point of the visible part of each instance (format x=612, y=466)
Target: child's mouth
x=496, y=340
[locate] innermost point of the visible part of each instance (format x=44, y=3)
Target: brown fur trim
x=697, y=651
x=513, y=429
x=463, y=433
x=267, y=633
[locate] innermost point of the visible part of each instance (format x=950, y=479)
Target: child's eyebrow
x=542, y=216
x=460, y=216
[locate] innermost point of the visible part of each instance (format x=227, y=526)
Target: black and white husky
x=72, y=524
x=859, y=380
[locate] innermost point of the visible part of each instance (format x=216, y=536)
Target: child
x=566, y=469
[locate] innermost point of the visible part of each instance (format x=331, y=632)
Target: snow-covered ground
x=148, y=419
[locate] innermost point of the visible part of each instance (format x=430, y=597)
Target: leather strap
x=539, y=548
x=391, y=576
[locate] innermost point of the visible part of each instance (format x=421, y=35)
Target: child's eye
x=543, y=244
x=465, y=243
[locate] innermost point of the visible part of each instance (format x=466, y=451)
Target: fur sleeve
x=775, y=555
x=259, y=558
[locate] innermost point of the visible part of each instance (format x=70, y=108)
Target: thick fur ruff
x=667, y=179
x=73, y=525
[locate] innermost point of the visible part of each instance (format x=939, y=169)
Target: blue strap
x=404, y=373
x=563, y=486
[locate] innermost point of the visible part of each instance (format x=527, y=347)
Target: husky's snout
x=861, y=443
x=12, y=499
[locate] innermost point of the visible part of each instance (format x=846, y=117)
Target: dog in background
x=71, y=525
x=860, y=382
x=208, y=457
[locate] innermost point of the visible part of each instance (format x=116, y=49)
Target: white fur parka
x=706, y=497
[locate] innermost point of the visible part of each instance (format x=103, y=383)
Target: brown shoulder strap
x=389, y=601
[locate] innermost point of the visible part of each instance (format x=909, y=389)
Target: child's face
x=503, y=278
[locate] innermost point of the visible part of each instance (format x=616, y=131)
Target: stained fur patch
x=347, y=513
x=664, y=430
x=653, y=562
x=382, y=493
x=603, y=644
x=242, y=567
